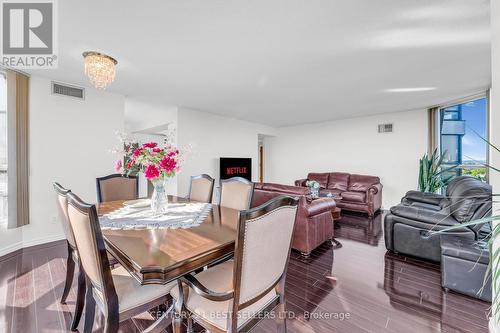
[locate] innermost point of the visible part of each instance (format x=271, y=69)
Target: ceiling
x=282, y=62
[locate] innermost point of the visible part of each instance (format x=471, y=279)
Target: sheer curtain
x=18, y=153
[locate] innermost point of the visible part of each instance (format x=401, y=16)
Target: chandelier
x=100, y=68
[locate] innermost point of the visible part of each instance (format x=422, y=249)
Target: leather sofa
x=359, y=193
x=314, y=224
x=408, y=224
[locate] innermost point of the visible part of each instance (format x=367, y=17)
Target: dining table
x=162, y=255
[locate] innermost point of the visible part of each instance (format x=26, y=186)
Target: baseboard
x=11, y=248
x=43, y=240
x=26, y=244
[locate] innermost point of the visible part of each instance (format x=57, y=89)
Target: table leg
x=179, y=307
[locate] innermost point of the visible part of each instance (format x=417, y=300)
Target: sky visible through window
x=473, y=147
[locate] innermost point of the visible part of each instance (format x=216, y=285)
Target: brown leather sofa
x=352, y=192
x=314, y=224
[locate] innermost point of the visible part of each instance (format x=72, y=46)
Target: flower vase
x=159, y=199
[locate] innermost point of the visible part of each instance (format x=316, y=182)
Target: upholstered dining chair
x=72, y=260
x=201, y=188
x=117, y=187
x=236, y=193
x=232, y=296
x=118, y=295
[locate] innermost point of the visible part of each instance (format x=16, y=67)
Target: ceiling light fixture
x=396, y=90
x=100, y=68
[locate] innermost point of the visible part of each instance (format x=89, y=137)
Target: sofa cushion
x=338, y=181
x=467, y=196
x=321, y=178
x=354, y=196
x=361, y=183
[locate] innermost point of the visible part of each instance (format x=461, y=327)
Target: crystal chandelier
x=100, y=68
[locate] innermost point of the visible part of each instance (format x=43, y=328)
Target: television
x=235, y=167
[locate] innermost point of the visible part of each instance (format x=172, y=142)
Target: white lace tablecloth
x=179, y=215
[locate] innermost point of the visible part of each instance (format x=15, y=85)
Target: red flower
x=150, y=145
x=151, y=172
x=156, y=150
x=130, y=164
x=137, y=152
x=168, y=164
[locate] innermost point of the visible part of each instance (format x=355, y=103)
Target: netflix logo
x=235, y=167
x=236, y=170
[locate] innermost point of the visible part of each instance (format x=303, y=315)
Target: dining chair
x=236, y=193
x=118, y=295
x=117, y=187
x=201, y=188
x=72, y=260
x=232, y=296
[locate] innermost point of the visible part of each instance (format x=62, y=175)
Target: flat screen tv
x=235, y=167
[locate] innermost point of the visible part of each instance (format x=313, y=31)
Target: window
x=462, y=127
x=3, y=149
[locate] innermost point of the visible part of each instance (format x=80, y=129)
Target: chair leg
x=70, y=270
x=281, y=317
x=89, y=309
x=80, y=300
x=111, y=325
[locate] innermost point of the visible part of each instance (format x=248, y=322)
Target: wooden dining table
x=159, y=256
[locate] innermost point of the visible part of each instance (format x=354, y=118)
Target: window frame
x=471, y=98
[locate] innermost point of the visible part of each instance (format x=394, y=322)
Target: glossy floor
x=356, y=288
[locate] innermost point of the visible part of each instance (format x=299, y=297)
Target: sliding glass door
x=462, y=129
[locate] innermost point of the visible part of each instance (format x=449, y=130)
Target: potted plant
x=156, y=163
x=314, y=187
x=494, y=262
x=430, y=174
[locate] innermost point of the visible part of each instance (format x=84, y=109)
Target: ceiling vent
x=385, y=128
x=63, y=89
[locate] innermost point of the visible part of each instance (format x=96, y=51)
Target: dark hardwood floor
x=356, y=288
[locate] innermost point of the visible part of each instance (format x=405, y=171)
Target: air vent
x=67, y=90
x=385, y=128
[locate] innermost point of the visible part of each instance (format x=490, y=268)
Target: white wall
x=70, y=142
x=213, y=137
x=354, y=146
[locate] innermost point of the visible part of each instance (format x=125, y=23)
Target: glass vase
x=159, y=199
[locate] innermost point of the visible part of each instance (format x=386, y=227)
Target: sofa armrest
x=374, y=189
x=301, y=182
x=436, y=218
x=426, y=198
x=319, y=206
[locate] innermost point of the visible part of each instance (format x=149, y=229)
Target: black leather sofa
x=408, y=224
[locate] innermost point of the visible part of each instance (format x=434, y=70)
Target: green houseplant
x=493, y=270
x=430, y=173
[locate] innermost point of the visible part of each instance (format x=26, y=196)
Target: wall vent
x=63, y=89
x=385, y=128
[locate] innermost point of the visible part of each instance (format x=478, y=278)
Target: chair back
x=262, y=248
x=236, y=193
x=201, y=188
x=62, y=208
x=90, y=244
x=117, y=187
